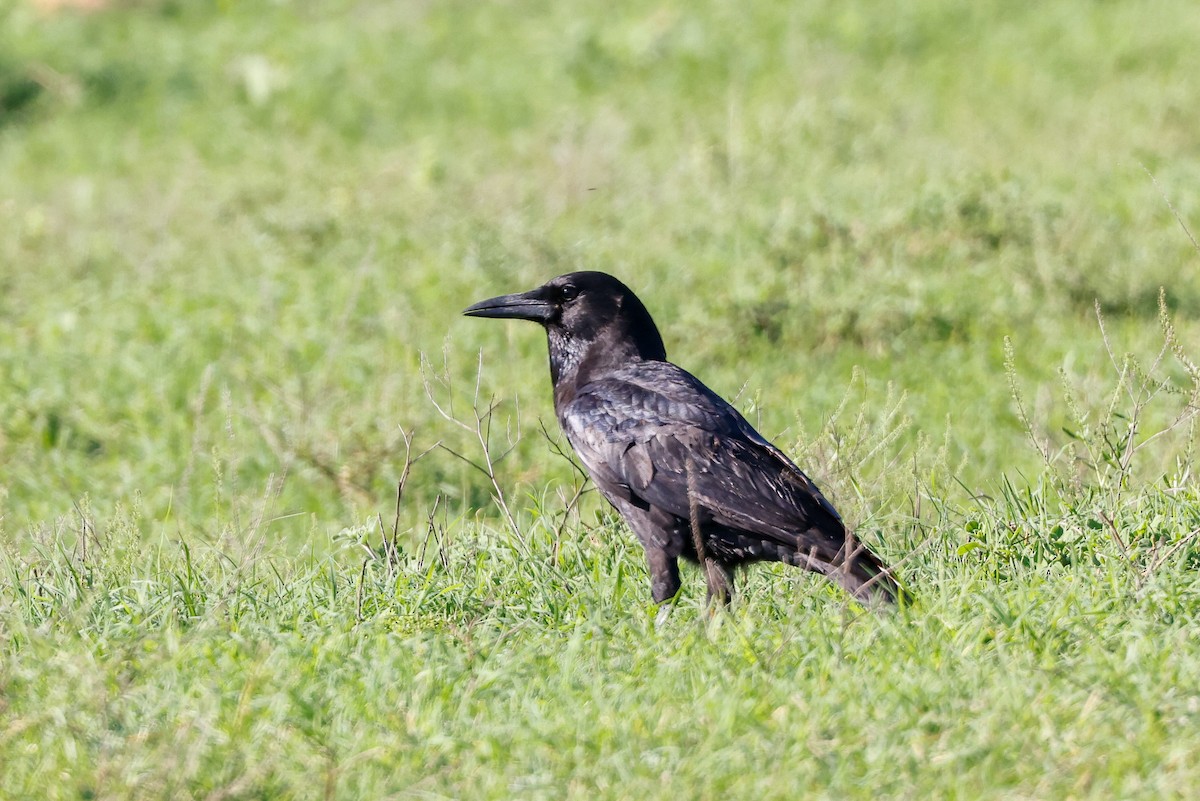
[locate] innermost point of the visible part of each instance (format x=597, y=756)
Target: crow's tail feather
x=866, y=577
x=859, y=571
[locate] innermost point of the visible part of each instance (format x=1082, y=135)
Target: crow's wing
x=641, y=430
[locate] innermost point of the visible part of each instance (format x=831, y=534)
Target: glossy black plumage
x=671, y=455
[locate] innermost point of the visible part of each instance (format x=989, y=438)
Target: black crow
x=683, y=467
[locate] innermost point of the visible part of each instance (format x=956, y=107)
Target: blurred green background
x=229, y=231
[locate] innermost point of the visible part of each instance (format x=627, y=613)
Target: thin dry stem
x=481, y=428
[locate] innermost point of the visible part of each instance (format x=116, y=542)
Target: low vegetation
x=275, y=522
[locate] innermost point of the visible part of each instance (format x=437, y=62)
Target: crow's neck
x=575, y=362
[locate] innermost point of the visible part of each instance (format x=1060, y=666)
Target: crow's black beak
x=521, y=306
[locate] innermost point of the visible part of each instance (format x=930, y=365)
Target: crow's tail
x=859, y=571
x=865, y=576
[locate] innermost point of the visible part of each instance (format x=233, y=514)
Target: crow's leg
x=719, y=577
x=664, y=574
x=664, y=582
x=656, y=531
x=720, y=581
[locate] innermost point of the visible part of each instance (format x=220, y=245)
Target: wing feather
x=642, y=431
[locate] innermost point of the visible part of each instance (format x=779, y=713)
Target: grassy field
x=234, y=242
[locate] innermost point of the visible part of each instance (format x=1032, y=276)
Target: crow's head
x=593, y=322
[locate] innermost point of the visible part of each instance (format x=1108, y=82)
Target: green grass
x=234, y=240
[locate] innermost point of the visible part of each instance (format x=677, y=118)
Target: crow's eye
x=568, y=292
